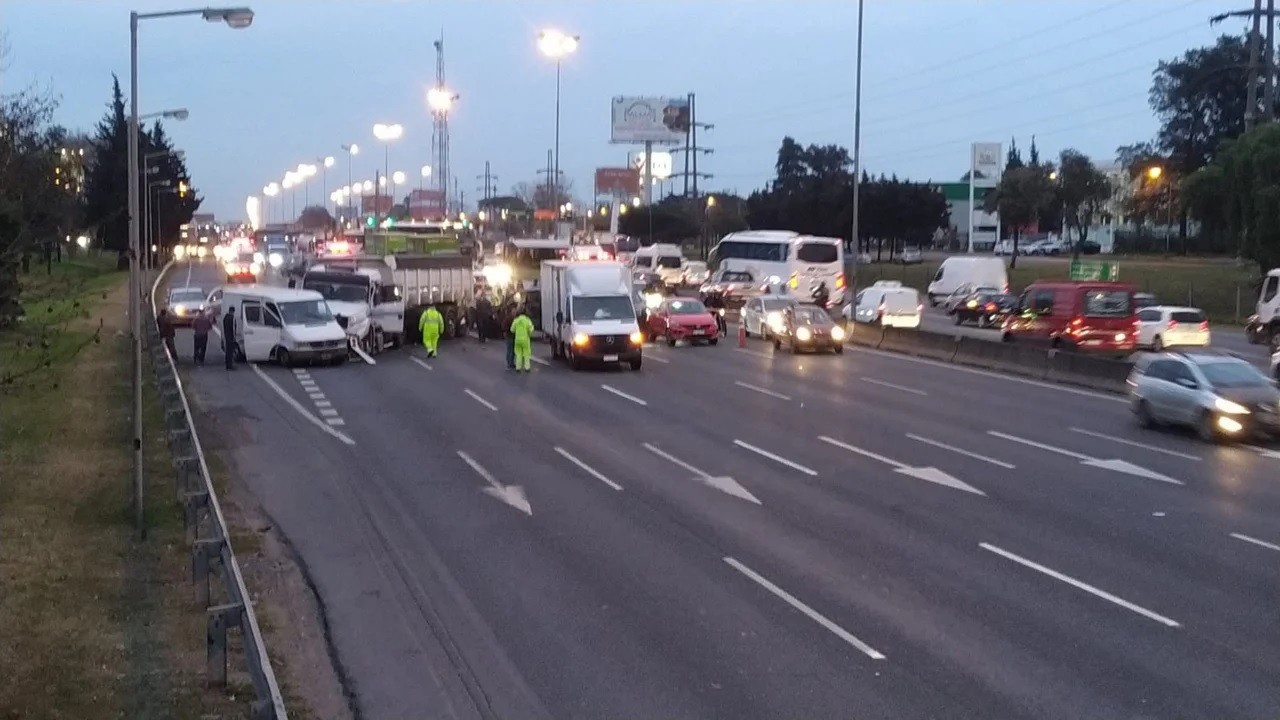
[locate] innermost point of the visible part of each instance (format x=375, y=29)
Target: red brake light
x=1173, y=324
x=840, y=281
x=991, y=307
x=1204, y=326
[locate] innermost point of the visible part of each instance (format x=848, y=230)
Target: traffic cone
x=742, y=335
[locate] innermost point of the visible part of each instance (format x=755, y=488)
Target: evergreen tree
x=1033, y=155
x=170, y=207
x=106, y=179
x=1014, y=158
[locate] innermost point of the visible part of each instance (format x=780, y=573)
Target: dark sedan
x=808, y=328
x=985, y=308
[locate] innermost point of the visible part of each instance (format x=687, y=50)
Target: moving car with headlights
x=985, y=307
x=762, y=313
x=887, y=303
x=184, y=304
x=588, y=313
x=284, y=325
x=963, y=294
x=1166, y=326
x=277, y=252
x=1086, y=316
x=683, y=319
x=810, y=329
x=243, y=268
x=1220, y=396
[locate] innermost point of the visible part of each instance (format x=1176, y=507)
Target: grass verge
x=95, y=624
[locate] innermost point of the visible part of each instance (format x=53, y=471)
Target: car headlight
x=637, y=338
x=1229, y=407
x=258, y=258
x=652, y=300
x=180, y=310
x=775, y=320
x=580, y=339
x=276, y=260
x=255, y=268
x=803, y=334
x=837, y=333
x=202, y=251
x=230, y=268
x=179, y=251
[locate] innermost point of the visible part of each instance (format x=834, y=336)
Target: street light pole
x=556, y=44
x=854, y=245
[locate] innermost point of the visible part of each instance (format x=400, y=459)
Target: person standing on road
x=165, y=323
x=522, y=340
x=431, y=324
x=509, y=316
x=201, y=324
x=484, y=317
x=715, y=303
x=229, y=337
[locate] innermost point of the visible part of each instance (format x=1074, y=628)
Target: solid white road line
x=775, y=458
x=298, y=407
x=539, y=360
x=966, y=453
x=809, y=612
x=1131, y=443
x=757, y=353
x=986, y=373
x=421, y=362
x=1256, y=541
x=480, y=400
x=672, y=458
x=895, y=386
x=1079, y=585
x=1042, y=446
x=619, y=393
x=762, y=391
x=864, y=453
x=588, y=469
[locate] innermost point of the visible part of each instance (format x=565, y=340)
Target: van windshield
x=341, y=292
x=815, y=252
x=669, y=261
x=609, y=308
x=1107, y=303
x=306, y=312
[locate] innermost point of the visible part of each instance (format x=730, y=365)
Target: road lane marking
x=1079, y=585
x=539, y=360
x=512, y=495
x=336, y=421
x=321, y=402
x=328, y=412
x=1264, y=452
x=1132, y=443
x=895, y=386
x=776, y=458
x=317, y=395
x=928, y=474
x=298, y=407
x=722, y=483
x=762, y=391
x=757, y=353
x=422, y=363
x=655, y=358
x=619, y=393
x=1256, y=541
x=480, y=400
x=588, y=469
x=988, y=374
x=809, y=612
x=1115, y=465
x=966, y=453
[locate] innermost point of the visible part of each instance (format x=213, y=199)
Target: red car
x=683, y=319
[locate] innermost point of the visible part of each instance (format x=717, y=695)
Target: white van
x=887, y=303
x=588, y=313
x=284, y=325
x=663, y=258
x=968, y=269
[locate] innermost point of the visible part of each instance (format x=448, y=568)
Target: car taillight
x=1076, y=323
x=1173, y=324
x=1204, y=326
x=991, y=307
x=840, y=281
x=880, y=309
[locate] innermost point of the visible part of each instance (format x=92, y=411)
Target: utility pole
x=854, y=245
x=1269, y=90
x=440, y=134
x=1255, y=39
x=490, y=183
x=691, y=150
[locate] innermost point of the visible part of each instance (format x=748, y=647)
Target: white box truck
x=587, y=313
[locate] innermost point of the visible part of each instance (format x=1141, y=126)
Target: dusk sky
x=310, y=76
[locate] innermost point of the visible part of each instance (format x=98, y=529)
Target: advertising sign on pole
x=986, y=162
x=662, y=164
x=618, y=181
x=659, y=120
x=1094, y=271
x=426, y=204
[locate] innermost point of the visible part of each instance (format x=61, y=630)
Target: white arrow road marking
x=1256, y=541
x=421, y=362
x=762, y=391
x=298, y=407
x=512, y=495
x=961, y=451
x=480, y=400
x=895, y=386
x=775, y=458
x=1116, y=465
x=809, y=612
x=619, y=393
x=722, y=483
x=928, y=474
x=588, y=469
x=1080, y=585
x=1131, y=443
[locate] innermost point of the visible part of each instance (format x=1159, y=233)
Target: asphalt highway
x=734, y=533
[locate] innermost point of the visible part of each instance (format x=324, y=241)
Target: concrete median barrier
x=938, y=346
x=1004, y=357
x=1089, y=370
x=863, y=334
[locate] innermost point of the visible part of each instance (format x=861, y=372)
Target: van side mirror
x=559, y=317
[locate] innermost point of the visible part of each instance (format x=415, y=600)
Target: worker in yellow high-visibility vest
x=522, y=334
x=431, y=325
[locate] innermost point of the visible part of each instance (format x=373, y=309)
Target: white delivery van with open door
x=284, y=325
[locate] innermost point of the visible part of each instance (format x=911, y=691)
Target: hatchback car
x=1165, y=326
x=1220, y=396
x=808, y=328
x=683, y=319
x=764, y=312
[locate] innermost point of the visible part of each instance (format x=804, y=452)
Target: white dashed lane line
x=323, y=406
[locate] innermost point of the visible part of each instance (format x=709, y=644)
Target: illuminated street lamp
x=387, y=133
x=1154, y=172
x=441, y=100
x=426, y=173
x=557, y=45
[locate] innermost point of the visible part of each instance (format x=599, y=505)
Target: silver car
x=1220, y=396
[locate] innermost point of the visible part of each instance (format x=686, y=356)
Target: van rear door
x=1105, y=317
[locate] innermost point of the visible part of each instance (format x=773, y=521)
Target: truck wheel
x=283, y=357
x=635, y=364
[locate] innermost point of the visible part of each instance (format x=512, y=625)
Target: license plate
x=611, y=358
x=1092, y=342
x=699, y=332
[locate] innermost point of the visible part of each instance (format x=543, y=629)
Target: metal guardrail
x=211, y=553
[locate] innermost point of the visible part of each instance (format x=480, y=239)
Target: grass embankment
x=93, y=624
x=1210, y=284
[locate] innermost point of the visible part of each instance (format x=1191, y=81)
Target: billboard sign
x=375, y=204
x=618, y=181
x=988, y=159
x=659, y=120
x=426, y=204
x=662, y=164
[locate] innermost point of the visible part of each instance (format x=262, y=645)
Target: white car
x=1166, y=326
x=911, y=256
x=886, y=303
x=763, y=314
